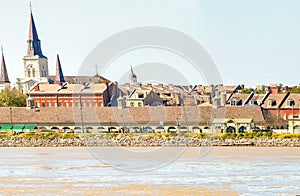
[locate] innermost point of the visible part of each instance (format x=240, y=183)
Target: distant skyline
x=252, y=42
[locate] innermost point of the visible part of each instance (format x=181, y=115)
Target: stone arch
x=172, y=129
x=196, y=129
x=230, y=129
x=242, y=129
x=160, y=129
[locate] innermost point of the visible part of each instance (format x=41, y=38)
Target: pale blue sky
x=251, y=41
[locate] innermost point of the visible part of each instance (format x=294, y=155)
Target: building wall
x=37, y=65
x=152, y=98
x=68, y=100
x=284, y=113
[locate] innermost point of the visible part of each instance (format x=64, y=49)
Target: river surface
x=150, y=171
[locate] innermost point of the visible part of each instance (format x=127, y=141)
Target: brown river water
x=150, y=171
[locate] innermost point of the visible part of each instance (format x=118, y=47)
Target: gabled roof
x=81, y=79
x=134, y=115
x=277, y=98
x=69, y=89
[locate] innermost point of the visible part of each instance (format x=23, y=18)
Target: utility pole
x=10, y=114
x=293, y=131
x=82, y=126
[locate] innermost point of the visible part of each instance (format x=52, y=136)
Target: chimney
x=223, y=99
x=216, y=102
x=149, y=85
x=139, y=85
x=160, y=85
x=170, y=86
x=36, y=88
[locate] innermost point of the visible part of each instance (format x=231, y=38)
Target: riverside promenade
x=149, y=140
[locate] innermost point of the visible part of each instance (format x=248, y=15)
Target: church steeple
x=59, y=74
x=132, y=77
x=33, y=42
x=3, y=76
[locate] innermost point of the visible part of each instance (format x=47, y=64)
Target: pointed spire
x=3, y=76
x=33, y=42
x=132, y=77
x=131, y=73
x=59, y=74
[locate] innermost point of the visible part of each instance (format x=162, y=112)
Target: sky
x=250, y=41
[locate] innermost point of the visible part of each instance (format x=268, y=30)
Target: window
x=49, y=104
x=77, y=104
x=72, y=104
x=43, y=104
x=28, y=73
x=95, y=104
x=66, y=104
x=38, y=104
x=140, y=104
x=290, y=102
x=100, y=103
x=33, y=72
x=141, y=96
x=131, y=104
x=284, y=116
x=89, y=104
x=60, y=104
x=55, y=104
x=232, y=102
x=272, y=102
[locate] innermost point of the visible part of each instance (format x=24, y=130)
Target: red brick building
x=71, y=95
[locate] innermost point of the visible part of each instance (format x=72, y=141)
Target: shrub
x=5, y=135
x=227, y=136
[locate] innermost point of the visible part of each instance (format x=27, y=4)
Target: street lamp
x=10, y=114
x=81, y=116
x=178, y=124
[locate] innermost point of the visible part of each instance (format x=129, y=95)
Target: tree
x=295, y=89
x=246, y=90
x=12, y=98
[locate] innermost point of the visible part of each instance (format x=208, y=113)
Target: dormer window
x=235, y=102
x=141, y=96
x=272, y=102
x=290, y=102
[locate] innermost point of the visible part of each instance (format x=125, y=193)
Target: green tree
x=12, y=98
x=295, y=89
x=246, y=90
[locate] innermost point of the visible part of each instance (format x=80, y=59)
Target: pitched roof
x=134, y=115
x=69, y=89
x=3, y=75
x=81, y=79
x=277, y=98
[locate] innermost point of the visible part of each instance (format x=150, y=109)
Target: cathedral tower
x=35, y=63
